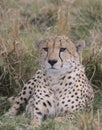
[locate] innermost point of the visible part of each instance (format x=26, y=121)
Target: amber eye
x=45, y=49
x=62, y=49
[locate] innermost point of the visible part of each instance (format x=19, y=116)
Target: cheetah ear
x=80, y=45
x=36, y=44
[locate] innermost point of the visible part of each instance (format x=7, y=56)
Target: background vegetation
x=24, y=21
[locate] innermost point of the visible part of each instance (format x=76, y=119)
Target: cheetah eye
x=62, y=49
x=45, y=49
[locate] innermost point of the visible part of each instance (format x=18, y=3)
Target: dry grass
x=83, y=121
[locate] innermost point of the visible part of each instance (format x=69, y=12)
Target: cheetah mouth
x=52, y=68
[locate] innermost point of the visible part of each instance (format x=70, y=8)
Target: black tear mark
x=60, y=53
x=49, y=103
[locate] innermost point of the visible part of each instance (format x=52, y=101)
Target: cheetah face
x=57, y=54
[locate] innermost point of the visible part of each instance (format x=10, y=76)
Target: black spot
x=49, y=103
x=70, y=83
x=37, y=96
x=63, y=77
x=38, y=72
x=69, y=100
x=61, y=109
x=44, y=104
x=17, y=102
x=39, y=82
x=61, y=83
x=44, y=80
x=21, y=98
x=43, y=74
x=62, y=102
x=36, y=103
x=24, y=88
x=36, y=108
x=72, y=106
x=72, y=102
x=24, y=93
x=76, y=93
x=66, y=105
x=77, y=74
x=44, y=117
x=38, y=77
x=66, y=111
x=29, y=87
x=63, y=98
x=69, y=77
x=35, y=80
x=39, y=113
x=47, y=95
x=70, y=72
x=73, y=90
x=57, y=104
x=76, y=109
x=82, y=82
x=33, y=83
x=30, y=92
x=60, y=91
x=38, y=90
x=66, y=84
x=75, y=67
x=77, y=97
x=72, y=96
x=65, y=90
x=29, y=82
x=25, y=100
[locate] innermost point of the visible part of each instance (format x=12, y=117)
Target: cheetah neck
x=55, y=76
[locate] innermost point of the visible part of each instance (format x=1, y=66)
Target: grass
x=83, y=121
x=21, y=23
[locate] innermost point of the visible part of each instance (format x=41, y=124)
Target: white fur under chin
x=57, y=72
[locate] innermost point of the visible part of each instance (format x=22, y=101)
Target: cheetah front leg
x=22, y=97
x=41, y=105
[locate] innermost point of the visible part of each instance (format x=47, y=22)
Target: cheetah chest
x=68, y=93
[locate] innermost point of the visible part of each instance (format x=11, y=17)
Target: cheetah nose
x=52, y=62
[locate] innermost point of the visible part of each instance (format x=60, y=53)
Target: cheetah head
x=58, y=54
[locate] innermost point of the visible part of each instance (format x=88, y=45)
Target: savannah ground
x=24, y=21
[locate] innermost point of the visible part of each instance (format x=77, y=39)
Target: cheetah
x=60, y=87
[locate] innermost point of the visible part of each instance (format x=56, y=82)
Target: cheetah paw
x=58, y=119
x=36, y=123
